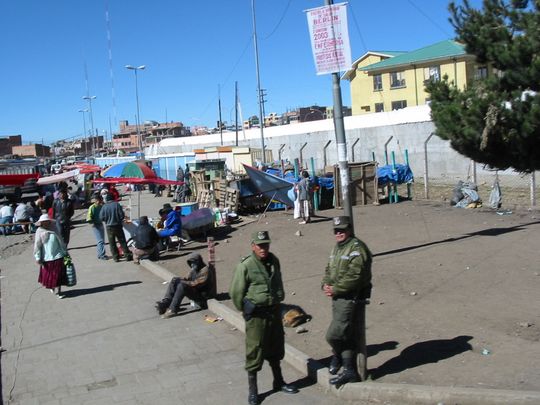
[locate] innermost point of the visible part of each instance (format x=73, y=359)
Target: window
x=379, y=107
x=396, y=105
x=377, y=82
x=481, y=72
x=397, y=80
x=432, y=73
x=366, y=108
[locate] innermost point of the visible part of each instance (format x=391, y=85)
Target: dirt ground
x=455, y=299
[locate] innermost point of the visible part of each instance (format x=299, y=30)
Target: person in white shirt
x=6, y=217
x=23, y=214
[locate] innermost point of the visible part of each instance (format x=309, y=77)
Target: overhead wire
x=279, y=21
x=435, y=24
x=226, y=81
x=357, y=28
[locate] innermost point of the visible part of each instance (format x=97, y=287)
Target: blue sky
x=190, y=49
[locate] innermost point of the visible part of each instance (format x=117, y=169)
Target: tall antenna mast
x=109, y=44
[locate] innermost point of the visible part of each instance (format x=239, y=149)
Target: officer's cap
x=341, y=222
x=260, y=237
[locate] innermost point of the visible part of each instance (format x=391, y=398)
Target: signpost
x=332, y=54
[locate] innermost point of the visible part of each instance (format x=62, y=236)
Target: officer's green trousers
x=341, y=334
x=265, y=340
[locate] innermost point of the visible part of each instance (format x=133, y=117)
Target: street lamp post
x=89, y=99
x=84, y=110
x=135, y=69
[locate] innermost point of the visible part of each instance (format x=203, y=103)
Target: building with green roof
x=385, y=81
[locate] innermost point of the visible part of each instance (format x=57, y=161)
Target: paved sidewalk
x=104, y=343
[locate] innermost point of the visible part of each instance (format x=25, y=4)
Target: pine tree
x=495, y=120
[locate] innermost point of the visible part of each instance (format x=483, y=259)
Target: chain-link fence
x=517, y=189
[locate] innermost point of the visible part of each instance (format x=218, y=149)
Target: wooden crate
x=363, y=188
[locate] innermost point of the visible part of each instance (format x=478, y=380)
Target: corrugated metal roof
x=440, y=50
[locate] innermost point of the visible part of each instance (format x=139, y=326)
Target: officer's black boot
x=279, y=384
x=349, y=374
x=253, y=397
x=335, y=364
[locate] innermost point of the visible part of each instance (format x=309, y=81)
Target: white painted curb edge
x=366, y=391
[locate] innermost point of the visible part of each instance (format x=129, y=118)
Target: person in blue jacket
x=172, y=222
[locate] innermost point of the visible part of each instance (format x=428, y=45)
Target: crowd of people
x=256, y=287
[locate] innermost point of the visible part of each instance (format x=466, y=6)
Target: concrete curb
x=371, y=391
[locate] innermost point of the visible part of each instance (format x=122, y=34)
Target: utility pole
x=220, y=123
x=261, y=113
x=341, y=141
x=236, y=111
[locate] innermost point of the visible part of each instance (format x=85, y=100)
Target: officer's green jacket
x=253, y=281
x=349, y=269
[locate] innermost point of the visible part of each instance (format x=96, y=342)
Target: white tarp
x=55, y=178
x=329, y=35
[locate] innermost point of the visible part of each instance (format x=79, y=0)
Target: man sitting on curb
x=198, y=286
x=146, y=242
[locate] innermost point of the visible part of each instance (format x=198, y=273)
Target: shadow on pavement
x=300, y=384
x=372, y=350
x=482, y=232
x=421, y=353
x=93, y=290
x=81, y=247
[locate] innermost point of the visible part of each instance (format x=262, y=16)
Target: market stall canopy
x=17, y=179
x=133, y=172
x=132, y=169
x=84, y=168
x=271, y=186
x=55, y=178
x=136, y=180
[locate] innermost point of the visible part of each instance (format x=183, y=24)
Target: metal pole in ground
x=339, y=127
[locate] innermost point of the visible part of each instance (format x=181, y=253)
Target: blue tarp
x=400, y=174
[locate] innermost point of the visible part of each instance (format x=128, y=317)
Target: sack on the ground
x=495, y=198
x=71, y=275
x=293, y=315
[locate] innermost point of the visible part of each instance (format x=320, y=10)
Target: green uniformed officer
x=347, y=281
x=256, y=290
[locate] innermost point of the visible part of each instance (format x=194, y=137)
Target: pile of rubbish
x=465, y=195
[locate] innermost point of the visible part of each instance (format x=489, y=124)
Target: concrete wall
x=408, y=129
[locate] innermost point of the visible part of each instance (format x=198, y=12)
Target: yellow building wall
x=364, y=98
x=360, y=83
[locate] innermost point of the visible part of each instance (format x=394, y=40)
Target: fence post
x=386, y=149
x=408, y=165
x=316, y=193
x=388, y=189
x=533, y=189
x=280, y=150
x=301, y=157
x=352, y=149
x=473, y=163
x=324, y=150
x=426, y=177
x=394, y=190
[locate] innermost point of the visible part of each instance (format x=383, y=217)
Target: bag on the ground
x=71, y=275
x=495, y=198
x=293, y=315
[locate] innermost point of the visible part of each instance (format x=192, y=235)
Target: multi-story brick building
x=7, y=142
x=127, y=138
x=34, y=150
